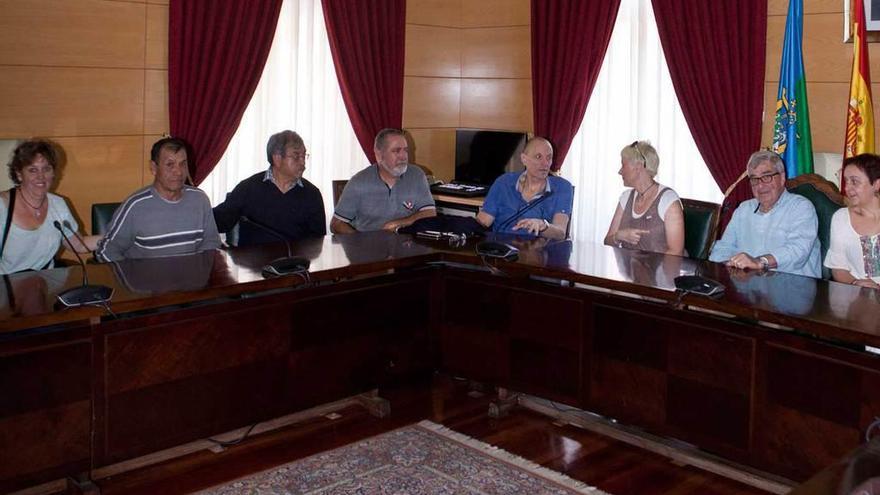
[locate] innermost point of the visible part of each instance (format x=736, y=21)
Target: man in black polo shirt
x=279, y=198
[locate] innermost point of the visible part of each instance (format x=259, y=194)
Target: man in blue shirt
x=776, y=230
x=531, y=202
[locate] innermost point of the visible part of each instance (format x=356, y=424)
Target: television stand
x=458, y=206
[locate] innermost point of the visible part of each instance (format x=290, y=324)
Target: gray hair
x=278, y=143
x=762, y=156
x=382, y=137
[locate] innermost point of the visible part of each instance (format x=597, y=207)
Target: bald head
x=537, y=157
x=538, y=142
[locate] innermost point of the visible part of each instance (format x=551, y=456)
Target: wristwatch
x=546, y=226
x=765, y=263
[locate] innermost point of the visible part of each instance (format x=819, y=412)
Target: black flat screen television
x=482, y=155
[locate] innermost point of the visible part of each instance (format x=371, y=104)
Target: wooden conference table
x=774, y=374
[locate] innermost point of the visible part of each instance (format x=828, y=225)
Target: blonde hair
x=642, y=152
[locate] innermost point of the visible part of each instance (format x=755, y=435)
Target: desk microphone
x=85, y=294
x=698, y=284
x=66, y=225
x=282, y=266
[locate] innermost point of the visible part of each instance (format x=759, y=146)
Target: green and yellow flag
x=791, y=132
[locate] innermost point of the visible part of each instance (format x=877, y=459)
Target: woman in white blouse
x=29, y=237
x=854, y=254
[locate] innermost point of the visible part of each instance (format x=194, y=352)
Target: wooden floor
x=612, y=466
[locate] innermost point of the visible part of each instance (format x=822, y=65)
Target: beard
x=397, y=170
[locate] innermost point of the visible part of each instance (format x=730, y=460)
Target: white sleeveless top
x=33, y=249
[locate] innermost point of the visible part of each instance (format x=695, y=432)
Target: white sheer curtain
x=633, y=99
x=298, y=91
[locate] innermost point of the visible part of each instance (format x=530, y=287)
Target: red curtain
x=367, y=42
x=715, y=52
x=569, y=40
x=216, y=53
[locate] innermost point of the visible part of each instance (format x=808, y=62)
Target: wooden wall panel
x=780, y=7
x=827, y=102
x=433, y=51
x=57, y=101
x=826, y=57
x=99, y=170
x=828, y=62
x=146, y=174
x=434, y=12
x=157, y=37
x=431, y=102
x=80, y=72
x=156, y=102
x=770, y=89
x=496, y=103
x=496, y=52
x=488, y=13
x=468, y=64
x=827, y=115
x=84, y=33
x=435, y=149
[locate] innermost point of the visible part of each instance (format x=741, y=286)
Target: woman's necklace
x=35, y=208
x=641, y=194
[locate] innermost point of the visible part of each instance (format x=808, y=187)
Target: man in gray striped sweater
x=167, y=218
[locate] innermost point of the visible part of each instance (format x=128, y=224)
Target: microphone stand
x=523, y=210
x=85, y=294
x=289, y=265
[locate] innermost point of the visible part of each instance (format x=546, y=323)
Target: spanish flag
x=860, y=111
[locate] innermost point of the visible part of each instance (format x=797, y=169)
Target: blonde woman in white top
x=854, y=253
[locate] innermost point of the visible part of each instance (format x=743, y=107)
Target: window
x=633, y=99
x=299, y=91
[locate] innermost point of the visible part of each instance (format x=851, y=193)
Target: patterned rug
x=423, y=458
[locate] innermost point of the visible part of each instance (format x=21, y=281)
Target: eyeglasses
x=635, y=146
x=762, y=178
x=298, y=156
